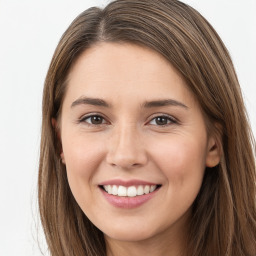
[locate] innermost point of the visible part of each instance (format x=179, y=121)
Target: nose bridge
x=126, y=147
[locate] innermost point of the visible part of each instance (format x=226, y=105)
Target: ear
x=213, y=152
x=57, y=132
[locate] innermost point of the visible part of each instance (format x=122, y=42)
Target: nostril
x=125, y=161
x=126, y=151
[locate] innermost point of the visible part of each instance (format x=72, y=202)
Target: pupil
x=96, y=120
x=161, y=120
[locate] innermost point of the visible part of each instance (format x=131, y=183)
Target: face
x=134, y=142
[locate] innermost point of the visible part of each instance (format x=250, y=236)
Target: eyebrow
x=90, y=101
x=147, y=104
x=161, y=103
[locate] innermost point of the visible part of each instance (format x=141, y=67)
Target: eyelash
x=170, y=120
x=84, y=118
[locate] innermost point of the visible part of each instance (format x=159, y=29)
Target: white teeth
x=122, y=191
x=109, y=189
x=131, y=191
x=114, y=190
x=140, y=190
x=152, y=188
x=146, y=190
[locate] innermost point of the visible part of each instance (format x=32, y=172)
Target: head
x=223, y=211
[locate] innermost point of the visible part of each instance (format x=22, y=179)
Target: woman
x=145, y=147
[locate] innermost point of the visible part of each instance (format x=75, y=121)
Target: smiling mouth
x=131, y=191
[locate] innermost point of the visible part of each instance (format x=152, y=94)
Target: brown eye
x=162, y=120
x=94, y=120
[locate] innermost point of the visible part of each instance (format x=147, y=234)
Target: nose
x=126, y=148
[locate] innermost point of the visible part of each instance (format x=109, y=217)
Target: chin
x=130, y=234
x=127, y=236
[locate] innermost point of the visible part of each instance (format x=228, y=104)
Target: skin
x=128, y=142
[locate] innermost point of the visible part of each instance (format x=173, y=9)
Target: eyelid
x=87, y=116
x=170, y=117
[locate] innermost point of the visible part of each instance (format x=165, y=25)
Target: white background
x=29, y=33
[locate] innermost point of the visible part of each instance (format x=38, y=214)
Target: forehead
x=117, y=57
x=116, y=70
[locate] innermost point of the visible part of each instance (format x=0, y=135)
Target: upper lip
x=126, y=183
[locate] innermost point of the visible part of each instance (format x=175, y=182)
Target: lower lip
x=128, y=202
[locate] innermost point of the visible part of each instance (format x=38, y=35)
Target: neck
x=143, y=248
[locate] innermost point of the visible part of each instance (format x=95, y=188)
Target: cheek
x=81, y=154
x=181, y=160
x=82, y=159
x=183, y=164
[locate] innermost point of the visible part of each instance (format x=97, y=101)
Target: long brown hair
x=224, y=212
